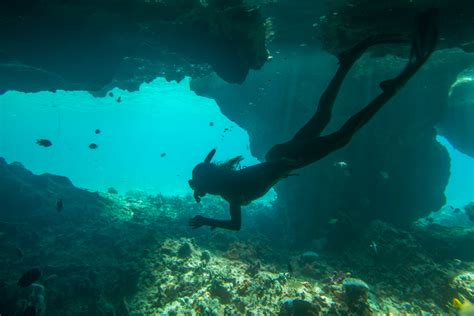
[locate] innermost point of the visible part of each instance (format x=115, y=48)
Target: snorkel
x=198, y=183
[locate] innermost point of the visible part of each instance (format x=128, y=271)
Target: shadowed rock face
x=96, y=45
x=92, y=45
x=27, y=195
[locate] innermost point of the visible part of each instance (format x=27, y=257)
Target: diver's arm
x=233, y=224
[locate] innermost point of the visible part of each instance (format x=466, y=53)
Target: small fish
x=333, y=221
x=290, y=268
x=93, y=146
x=456, y=210
x=44, y=142
x=29, y=277
x=59, y=205
x=111, y=94
x=19, y=253
x=341, y=164
x=163, y=155
x=211, y=123
x=374, y=247
x=119, y=99
x=97, y=131
x=465, y=308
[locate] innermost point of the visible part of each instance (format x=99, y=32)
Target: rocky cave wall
x=98, y=45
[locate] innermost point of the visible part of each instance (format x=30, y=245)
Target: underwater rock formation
x=24, y=194
x=447, y=242
x=356, y=293
x=399, y=256
x=126, y=260
x=293, y=307
x=457, y=124
x=95, y=46
x=348, y=22
x=87, y=45
x=470, y=211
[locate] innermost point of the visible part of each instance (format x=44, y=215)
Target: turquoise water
x=161, y=119
x=460, y=189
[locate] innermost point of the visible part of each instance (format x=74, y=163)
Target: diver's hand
x=198, y=221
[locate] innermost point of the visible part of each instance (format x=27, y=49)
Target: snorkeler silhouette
x=242, y=186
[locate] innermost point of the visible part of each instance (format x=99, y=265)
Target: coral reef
x=137, y=256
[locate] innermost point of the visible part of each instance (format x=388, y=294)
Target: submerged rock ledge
x=98, y=45
x=94, y=45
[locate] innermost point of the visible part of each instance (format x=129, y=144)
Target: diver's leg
x=233, y=224
x=310, y=150
x=304, y=153
x=423, y=46
x=321, y=118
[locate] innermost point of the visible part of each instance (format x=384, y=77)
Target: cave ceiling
x=97, y=45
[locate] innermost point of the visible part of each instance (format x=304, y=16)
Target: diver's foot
x=423, y=45
x=426, y=34
x=348, y=57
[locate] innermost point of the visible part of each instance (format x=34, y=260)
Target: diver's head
x=201, y=176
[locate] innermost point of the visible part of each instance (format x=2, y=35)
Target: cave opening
x=148, y=140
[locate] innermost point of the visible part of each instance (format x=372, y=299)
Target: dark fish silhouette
x=29, y=277
x=44, y=142
x=29, y=311
x=59, y=205
x=119, y=99
x=111, y=94
x=456, y=210
x=211, y=123
x=163, y=155
x=93, y=146
x=97, y=131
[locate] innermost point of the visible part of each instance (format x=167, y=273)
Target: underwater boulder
x=206, y=256
x=221, y=292
x=298, y=307
x=470, y=211
x=185, y=251
x=356, y=294
x=309, y=257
